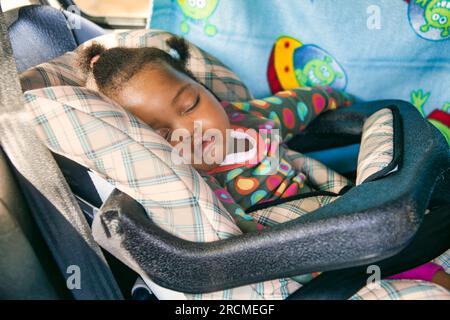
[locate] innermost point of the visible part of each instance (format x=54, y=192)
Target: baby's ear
x=89, y=55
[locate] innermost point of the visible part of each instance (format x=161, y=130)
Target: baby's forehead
x=159, y=70
x=152, y=92
x=157, y=83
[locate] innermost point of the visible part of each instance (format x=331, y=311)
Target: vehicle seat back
x=40, y=33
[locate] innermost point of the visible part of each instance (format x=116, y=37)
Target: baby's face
x=173, y=104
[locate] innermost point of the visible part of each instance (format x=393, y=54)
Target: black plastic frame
x=370, y=222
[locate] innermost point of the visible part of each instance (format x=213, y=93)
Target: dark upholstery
x=42, y=33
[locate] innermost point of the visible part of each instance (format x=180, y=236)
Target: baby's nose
x=181, y=131
x=194, y=127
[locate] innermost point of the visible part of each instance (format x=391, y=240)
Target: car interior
x=59, y=213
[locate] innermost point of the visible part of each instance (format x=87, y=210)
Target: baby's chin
x=209, y=159
x=205, y=167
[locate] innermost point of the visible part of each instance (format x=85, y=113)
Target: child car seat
x=350, y=124
x=338, y=249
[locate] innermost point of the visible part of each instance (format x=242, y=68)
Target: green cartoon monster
x=198, y=10
x=317, y=72
x=418, y=99
x=436, y=15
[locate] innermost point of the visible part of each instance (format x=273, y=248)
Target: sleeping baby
x=236, y=146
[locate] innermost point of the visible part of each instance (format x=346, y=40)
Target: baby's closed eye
x=191, y=105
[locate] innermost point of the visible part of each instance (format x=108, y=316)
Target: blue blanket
x=374, y=49
x=386, y=47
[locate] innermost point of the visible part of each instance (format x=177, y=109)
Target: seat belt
x=49, y=197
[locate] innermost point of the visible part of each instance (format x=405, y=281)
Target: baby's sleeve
x=293, y=110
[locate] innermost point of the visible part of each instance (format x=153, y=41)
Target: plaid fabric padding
x=444, y=261
x=377, y=145
x=61, y=71
x=320, y=178
x=64, y=71
x=290, y=210
x=90, y=129
x=402, y=290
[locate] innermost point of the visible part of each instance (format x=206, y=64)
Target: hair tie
x=174, y=54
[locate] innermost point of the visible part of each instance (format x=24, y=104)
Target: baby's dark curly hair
x=117, y=65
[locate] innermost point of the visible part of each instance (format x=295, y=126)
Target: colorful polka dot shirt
x=269, y=175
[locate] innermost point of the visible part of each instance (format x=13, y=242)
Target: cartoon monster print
x=198, y=10
x=317, y=72
x=436, y=15
x=293, y=64
x=418, y=99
